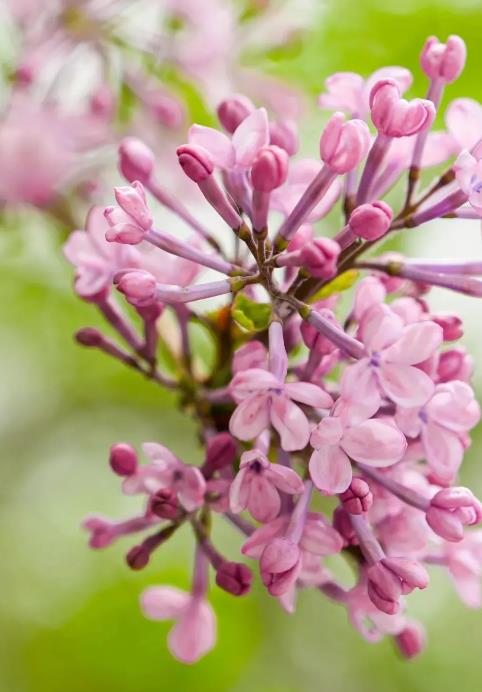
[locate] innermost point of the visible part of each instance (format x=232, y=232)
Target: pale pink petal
x=401, y=75
x=250, y=418
x=463, y=118
x=264, y=501
x=443, y=449
x=256, y=543
x=409, y=421
x=248, y=382
x=191, y=492
x=439, y=147
x=285, y=479
x=157, y=452
x=405, y=385
x=215, y=142
x=417, y=342
x=370, y=291
x=328, y=432
x=194, y=634
x=453, y=405
x=319, y=537
x=290, y=422
x=343, y=92
x=375, y=443
x=163, y=602
x=380, y=327
x=330, y=469
x=239, y=491
x=307, y=393
x=360, y=397
x=250, y=136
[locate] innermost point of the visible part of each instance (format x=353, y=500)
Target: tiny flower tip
x=164, y=504
x=443, y=61
x=232, y=111
x=89, y=337
x=235, y=578
x=123, y=459
x=343, y=145
x=136, y=160
x=396, y=117
x=138, y=286
x=195, y=161
x=371, y=221
x=137, y=557
x=411, y=640
x=269, y=169
x=357, y=498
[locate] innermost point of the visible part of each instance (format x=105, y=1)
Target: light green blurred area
x=70, y=618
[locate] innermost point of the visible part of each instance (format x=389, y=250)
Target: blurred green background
x=70, y=618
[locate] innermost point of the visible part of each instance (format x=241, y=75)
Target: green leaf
x=249, y=315
x=338, y=285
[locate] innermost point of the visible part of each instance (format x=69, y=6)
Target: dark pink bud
x=312, y=337
x=451, y=325
x=284, y=134
x=455, y=364
x=234, y=577
x=384, y=588
x=136, y=160
x=138, y=286
x=344, y=145
x=411, y=641
x=357, y=498
x=342, y=523
x=89, y=337
x=232, y=111
x=443, y=60
x=164, y=504
x=269, y=169
x=411, y=573
x=195, y=161
x=221, y=451
x=320, y=257
x=280, y=564
x=371, y=221
x=150, y=313
x=450, y=510
x=445, y=524
x=396, y=117
x=138, y=557
x=123, y=459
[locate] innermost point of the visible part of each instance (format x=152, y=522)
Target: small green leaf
x=251, y=316
x=338, y=285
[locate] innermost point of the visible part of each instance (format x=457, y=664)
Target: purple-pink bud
x=232, y=111
x=136, y=160
x=411, y=573
x=397, y=117
x=452, y=325
x=138, y=286
x=280, y=564
x=89, y=336
x=357, y=498
x=133, y=201
x=343, y=145
x=195, y=161
x=443, y=60
x=138, y=557
x=312, y=337
x=450, y=510
x=384, y=588
x=269, y=169
x=284, y=134
x=234, y=577
x=371, y=221
x=123, y=459
x=342, y=523
x=411, y=641
x=455, y=364
x=320, y=257
x=164, y=504
x=220, y=452
x=122, y=227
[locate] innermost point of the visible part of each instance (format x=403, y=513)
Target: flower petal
x=290, y=422
x=285, y=479
x=375, y=443
x=215, y=142
x=330, y=469
x=444, y=450
x=163, y=602
x=417, y=343
x=250, y=418
x=250, y=136
x=194, y=634
x=264, y=501
x=405, y=385
x=308, y=393
x=248, y=382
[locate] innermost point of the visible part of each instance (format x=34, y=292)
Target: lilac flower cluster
x=369, y=406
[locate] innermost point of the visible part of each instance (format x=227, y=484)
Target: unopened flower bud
x=357, y=498
x=122, y=227
x=451, y=325
x=136, y=160
x=138, y=286
x=138, y=557
x=195, y=161
x=411, y=641
x=133, y=201
x=103, y=102
x=88, y=336
x=397, y=117
x=344, y=145
x=234, y=577
x=312, y=337
x=450, y=510
x=280, y=564
x=221, y=451
x=284, y=134
x=342, y=524
x=371, y=221
x=232, y=111
x=443, y=60
x=269, y=169
x=455, y=364
x=123, y=459
x=384, y=588
x=165, y=108
x=164, y=504
x=320, y=257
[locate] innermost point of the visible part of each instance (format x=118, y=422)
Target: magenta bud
x=195, y=161
x=342, y=524
x=396, y=117
x=88, y=336
x=284, y=134
x=319, y=257
x=138, y=286
x=123, y=459
x=164, y=504
x=234, y=577
x=150, y=313
x=371, y=221
x=343, y=145
x=220, y=452
x=137, y=557
x=132, y=200
x=443, y=60
x=455, y=364
x=411, y=641
x=280, y=564
x=103, y=102
x=269, y=169
x=451, y=325
x=357, y=498
x=136, y=160
x=232, y=111
x=384, y=588
x=411, y=573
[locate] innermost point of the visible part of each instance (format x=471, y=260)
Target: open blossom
x=263, y=399
x=468, y=173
